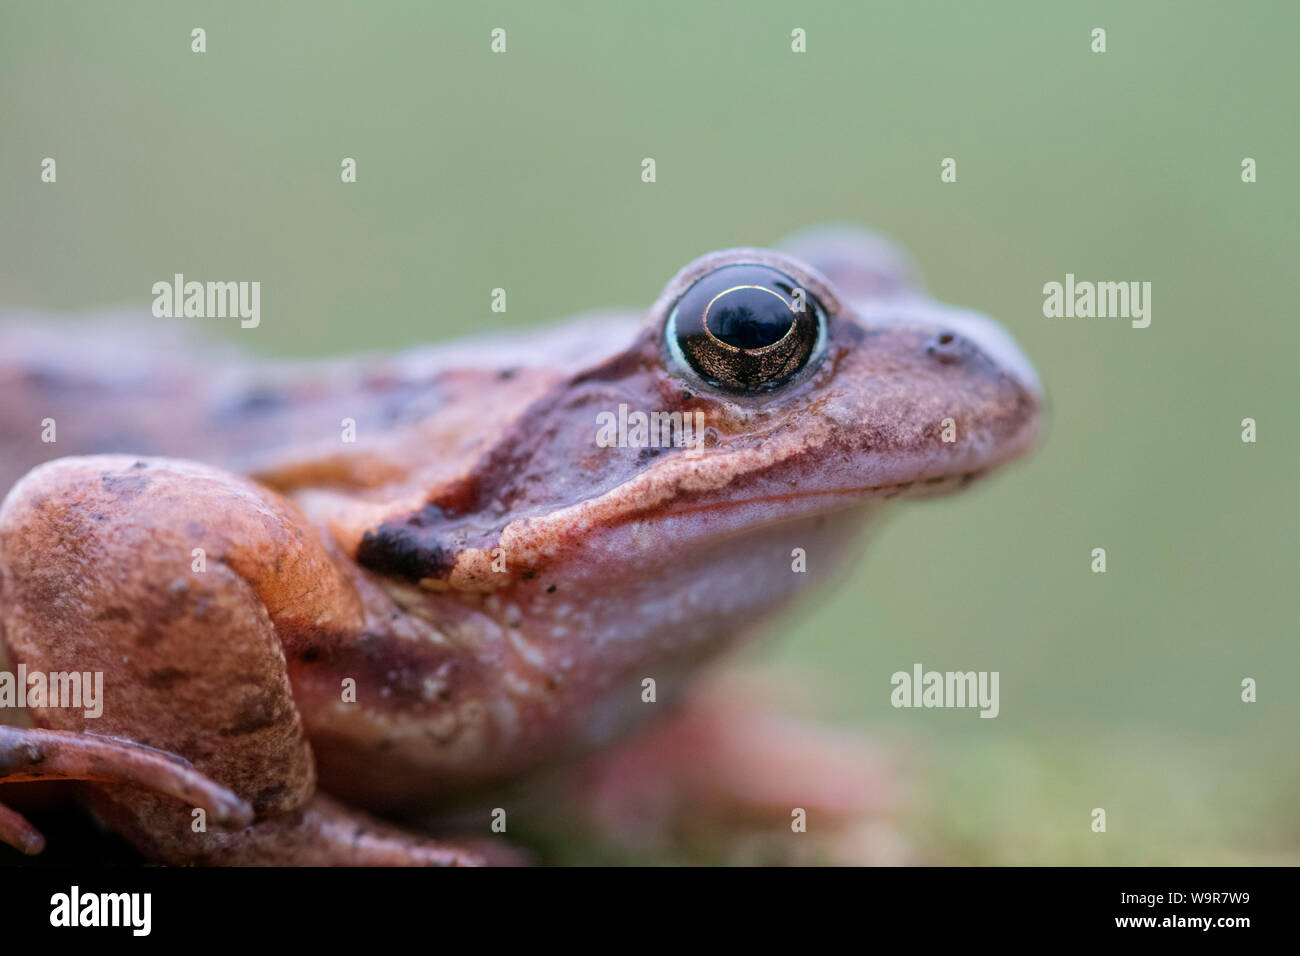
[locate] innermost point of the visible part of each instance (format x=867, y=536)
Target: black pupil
x=750, y=318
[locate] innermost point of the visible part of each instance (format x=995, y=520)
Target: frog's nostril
x=945, y=347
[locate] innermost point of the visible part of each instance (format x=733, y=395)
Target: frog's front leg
x=179, y=583
x=35, y=754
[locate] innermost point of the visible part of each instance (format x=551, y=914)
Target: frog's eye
x=746, y=328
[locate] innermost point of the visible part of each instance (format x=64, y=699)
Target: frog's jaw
x=557, y=660
x=643, y=598
x=632, y=605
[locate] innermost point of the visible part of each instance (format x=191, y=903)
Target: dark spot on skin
x=648, y=454
x=529, y=575
x=687, y=396
x=506, y=374
x=195, y=529
x=140, y=465
x=116, y=613
x=259, y=400
x=149, y=635
x=268, y=796
x=39, y=379
x=257, y=713
x=408, y=401
x=551, y=589
x=164, y=677
x=393, y=675
x=262, y=399
x=125, y=487
x=311, y=655
x=407, y=548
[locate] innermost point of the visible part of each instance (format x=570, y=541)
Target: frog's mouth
x=676, y=514
x=833, y=499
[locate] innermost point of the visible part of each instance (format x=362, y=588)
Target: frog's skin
x=373, y=561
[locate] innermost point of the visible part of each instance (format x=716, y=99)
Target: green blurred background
x=522, y=170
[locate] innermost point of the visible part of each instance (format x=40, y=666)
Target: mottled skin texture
x=373, y=561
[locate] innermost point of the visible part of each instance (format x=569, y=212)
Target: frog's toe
x=35, y=754
x=18, y=833
x=325, y=832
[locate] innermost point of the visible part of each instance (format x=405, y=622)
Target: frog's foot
x=34, y=754
x=732, y=779
x=322, y=832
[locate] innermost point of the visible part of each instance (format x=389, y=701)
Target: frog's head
x=755, y=409
x=637, y=494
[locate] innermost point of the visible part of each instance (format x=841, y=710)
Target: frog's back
x=126, y=382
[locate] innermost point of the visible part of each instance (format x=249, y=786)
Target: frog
x=331, y=596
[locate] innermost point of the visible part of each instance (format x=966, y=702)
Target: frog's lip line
x=856, y=493
x=595, y=513
x=840, y=499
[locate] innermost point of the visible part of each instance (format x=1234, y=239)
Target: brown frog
x=382, y=584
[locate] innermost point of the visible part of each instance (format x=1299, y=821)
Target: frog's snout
x=954, y=335
x=881, y=283
x=963, y=331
